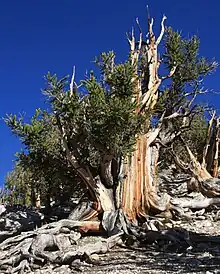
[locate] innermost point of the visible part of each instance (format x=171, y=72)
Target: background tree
x=17, y=186
x=195, y=137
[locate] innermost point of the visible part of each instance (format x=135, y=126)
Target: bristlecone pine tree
x=111, y=129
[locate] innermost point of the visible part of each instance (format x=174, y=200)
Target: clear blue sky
x=37, y=36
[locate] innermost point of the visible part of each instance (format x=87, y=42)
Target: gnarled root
x=57, y=243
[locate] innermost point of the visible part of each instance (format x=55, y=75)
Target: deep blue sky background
x=37, y=36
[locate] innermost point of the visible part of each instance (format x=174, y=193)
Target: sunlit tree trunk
x=139, y=186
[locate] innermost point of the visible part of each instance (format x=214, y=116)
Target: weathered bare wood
x=208, y=138
x=72, y=83
x=21, y=251
x=54, y=228
x=16, y=239
x=210, y=188
x=138, y=189
x=21, y=267
x=201, y=203
x=106, y=170
x=216, y=154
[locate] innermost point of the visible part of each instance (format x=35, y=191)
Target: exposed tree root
x=57, y=243
x=60, y=243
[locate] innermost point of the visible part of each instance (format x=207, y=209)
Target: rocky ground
x=192, y=245
x=203, y=256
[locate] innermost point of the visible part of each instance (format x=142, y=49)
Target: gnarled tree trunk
x=126, y=188
x=139, y=188
x=135, y=194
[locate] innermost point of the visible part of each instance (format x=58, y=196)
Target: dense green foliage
x=102, y=120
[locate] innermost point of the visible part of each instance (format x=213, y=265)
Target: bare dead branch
x=195, y=168
x=208, y=137
x=151, y=28
x=131, y=40
x=178, y=161
x=197, y=92
x=138, y=24
x=150, y=25
x=153, y=133
x=140, y=37
x=216, y=156
x=177, y=114
x=162, y=30
x=192, y=100
x=147, y=98
x=72, y=84
x=170, y=74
